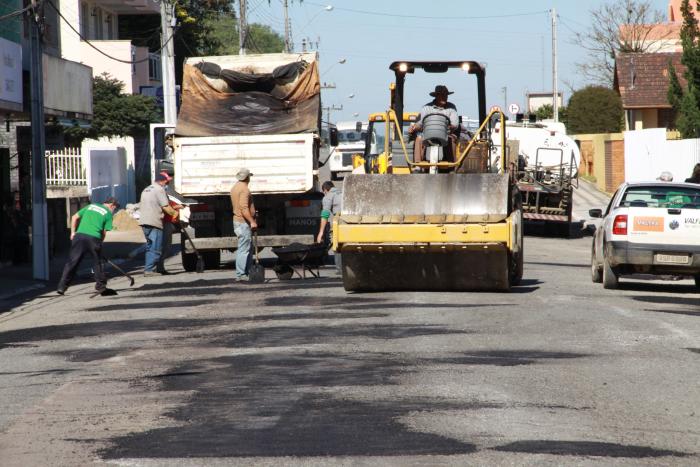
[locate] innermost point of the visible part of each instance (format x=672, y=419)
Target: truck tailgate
x=280, y=163
x=664, y=226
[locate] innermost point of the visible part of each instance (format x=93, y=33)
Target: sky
x=513, y=38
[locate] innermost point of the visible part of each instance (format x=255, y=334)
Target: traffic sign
x=514, y=109
x=495, y=108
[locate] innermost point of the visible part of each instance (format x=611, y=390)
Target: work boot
x=150, y=273
x=108, y=292
x=242, y=279
x=61, y=291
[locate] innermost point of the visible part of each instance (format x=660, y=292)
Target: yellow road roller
x=437, y=213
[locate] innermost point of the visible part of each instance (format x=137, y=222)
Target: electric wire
x=130, y=62
x=16, y=13
x=394, y=15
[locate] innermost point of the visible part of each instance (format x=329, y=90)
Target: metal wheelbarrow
x=297, y=256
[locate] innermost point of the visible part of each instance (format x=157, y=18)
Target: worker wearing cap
x=88, y=228
x=153, y=205
x=439, y=105
x=243, y=222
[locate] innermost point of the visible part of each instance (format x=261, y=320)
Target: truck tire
x=609, y=277
x=697, y=281
x=334, y=176
x=189, y=261
x=596, y=271
x=212, y=259
x=518, y=262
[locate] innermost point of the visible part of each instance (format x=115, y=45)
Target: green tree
x=547, y=111
x=223, y=36
x=685, y=101
x=594, y=109
x=116, y=113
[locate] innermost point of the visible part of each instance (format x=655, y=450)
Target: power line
x=16, y=13
x=394, y=15
x=130, y=62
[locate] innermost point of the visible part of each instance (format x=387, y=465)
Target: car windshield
x=661, y=197
x=351, y=136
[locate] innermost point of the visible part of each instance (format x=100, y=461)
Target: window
x=154, y=70
x=351, y=136
x=84, y=18
x=661, y=197
x=110, y=27
x=97, y=23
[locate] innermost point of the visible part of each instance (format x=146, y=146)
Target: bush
x=594, y=109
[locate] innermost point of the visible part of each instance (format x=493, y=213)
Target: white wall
x=648, y=153
x=111, y=168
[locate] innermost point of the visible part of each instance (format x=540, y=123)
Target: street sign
x=495, y=108
x=513, y=109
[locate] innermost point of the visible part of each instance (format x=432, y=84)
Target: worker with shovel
x=243, y=222
x=88, y=228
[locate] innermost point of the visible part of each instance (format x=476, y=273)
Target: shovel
x=256, y=274
x=200, y=261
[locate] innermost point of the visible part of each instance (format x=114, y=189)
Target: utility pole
x=40, y=237
x=287, y=28
x=555, y=87
x=40, y=253
x=328, y=113
x=504, y=89
x=242, y=28
x=167, y=60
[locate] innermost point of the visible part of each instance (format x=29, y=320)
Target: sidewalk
x=16, y=280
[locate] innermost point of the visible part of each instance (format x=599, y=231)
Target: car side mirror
x=596, y=213
x=333, y=136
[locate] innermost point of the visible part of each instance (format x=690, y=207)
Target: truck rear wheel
x=189, y=261
x=212, y=259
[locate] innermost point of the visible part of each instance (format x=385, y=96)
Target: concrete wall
x=110, y=168
x=67, y=95
x=593, y=148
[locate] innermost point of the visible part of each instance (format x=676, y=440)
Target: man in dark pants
x=87, y=232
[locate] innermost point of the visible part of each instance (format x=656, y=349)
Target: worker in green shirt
x=88, y=228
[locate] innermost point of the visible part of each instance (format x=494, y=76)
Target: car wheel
x=609, y=277
x=596, y=272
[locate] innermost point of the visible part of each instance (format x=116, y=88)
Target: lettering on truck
x=648, y=224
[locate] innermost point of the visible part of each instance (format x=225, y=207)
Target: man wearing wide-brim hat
x=439, y=105
x=243, y=222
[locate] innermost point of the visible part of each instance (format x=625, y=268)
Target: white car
x=648, y=228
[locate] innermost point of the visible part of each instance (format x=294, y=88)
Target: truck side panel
x=279, y=163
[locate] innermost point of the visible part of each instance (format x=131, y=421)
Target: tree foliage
x=616, y=27
x=685, y=100
x=116, y=113
x=224, y=37
x=594, y=109
x=546, y=112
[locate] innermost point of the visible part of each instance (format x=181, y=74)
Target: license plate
x=202, y=216
x=672, y=259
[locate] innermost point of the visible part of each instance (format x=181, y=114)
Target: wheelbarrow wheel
x=284, y=272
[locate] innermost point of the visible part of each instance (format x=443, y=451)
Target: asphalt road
x=193, y=369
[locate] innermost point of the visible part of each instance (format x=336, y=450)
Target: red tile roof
x=642, y=79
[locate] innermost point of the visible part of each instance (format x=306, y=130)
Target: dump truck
x=548, y=162
x=447, y=222
x=258, y=111
x=352, y=138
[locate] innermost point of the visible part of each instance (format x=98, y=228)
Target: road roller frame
x=445, y=231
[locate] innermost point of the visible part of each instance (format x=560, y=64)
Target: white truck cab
x=352, y=137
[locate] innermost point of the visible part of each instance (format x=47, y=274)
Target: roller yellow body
x=457, y=228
